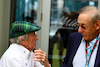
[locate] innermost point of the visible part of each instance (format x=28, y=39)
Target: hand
x=41, y=56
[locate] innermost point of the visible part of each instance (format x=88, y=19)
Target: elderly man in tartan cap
x=20, y=53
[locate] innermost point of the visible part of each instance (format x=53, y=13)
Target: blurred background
x=58, y=18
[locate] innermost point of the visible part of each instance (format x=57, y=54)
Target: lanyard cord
x=88, y=54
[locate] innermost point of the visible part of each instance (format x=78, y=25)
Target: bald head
x=92, y=12
x=89, y=9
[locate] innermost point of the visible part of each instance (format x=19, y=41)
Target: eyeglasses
x=84, y=26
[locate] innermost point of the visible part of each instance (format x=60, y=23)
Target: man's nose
x=80, y=29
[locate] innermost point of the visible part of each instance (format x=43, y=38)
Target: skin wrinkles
x=90, y=32
x=30, y=44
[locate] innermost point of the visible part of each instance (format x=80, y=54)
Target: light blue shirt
x=80, y=56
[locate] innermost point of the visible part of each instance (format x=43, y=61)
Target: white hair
x=96, y=16
x=17, y=39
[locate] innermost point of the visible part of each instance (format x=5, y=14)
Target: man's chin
x=85, y=39
x=33, y=48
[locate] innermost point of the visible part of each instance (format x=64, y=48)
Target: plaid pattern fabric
x=19, y=28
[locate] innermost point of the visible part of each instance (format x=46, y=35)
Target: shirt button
x=24, y=51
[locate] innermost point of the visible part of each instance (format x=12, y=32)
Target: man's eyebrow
x=82, y=24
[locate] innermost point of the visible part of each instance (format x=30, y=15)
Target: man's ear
x=97, y=24
x=22, y=40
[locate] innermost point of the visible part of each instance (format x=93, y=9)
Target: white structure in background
x=60, y=4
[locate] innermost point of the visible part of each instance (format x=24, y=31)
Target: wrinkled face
x=86, y=27
x=30, y=44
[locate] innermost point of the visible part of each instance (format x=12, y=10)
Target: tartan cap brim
x=19, y=28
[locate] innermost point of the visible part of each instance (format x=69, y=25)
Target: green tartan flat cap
x=19, y=28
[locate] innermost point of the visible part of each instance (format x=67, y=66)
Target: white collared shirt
x=80, y=56
x=18, y=56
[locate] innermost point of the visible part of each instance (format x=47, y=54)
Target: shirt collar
x=23, y=50
x=92, y=40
